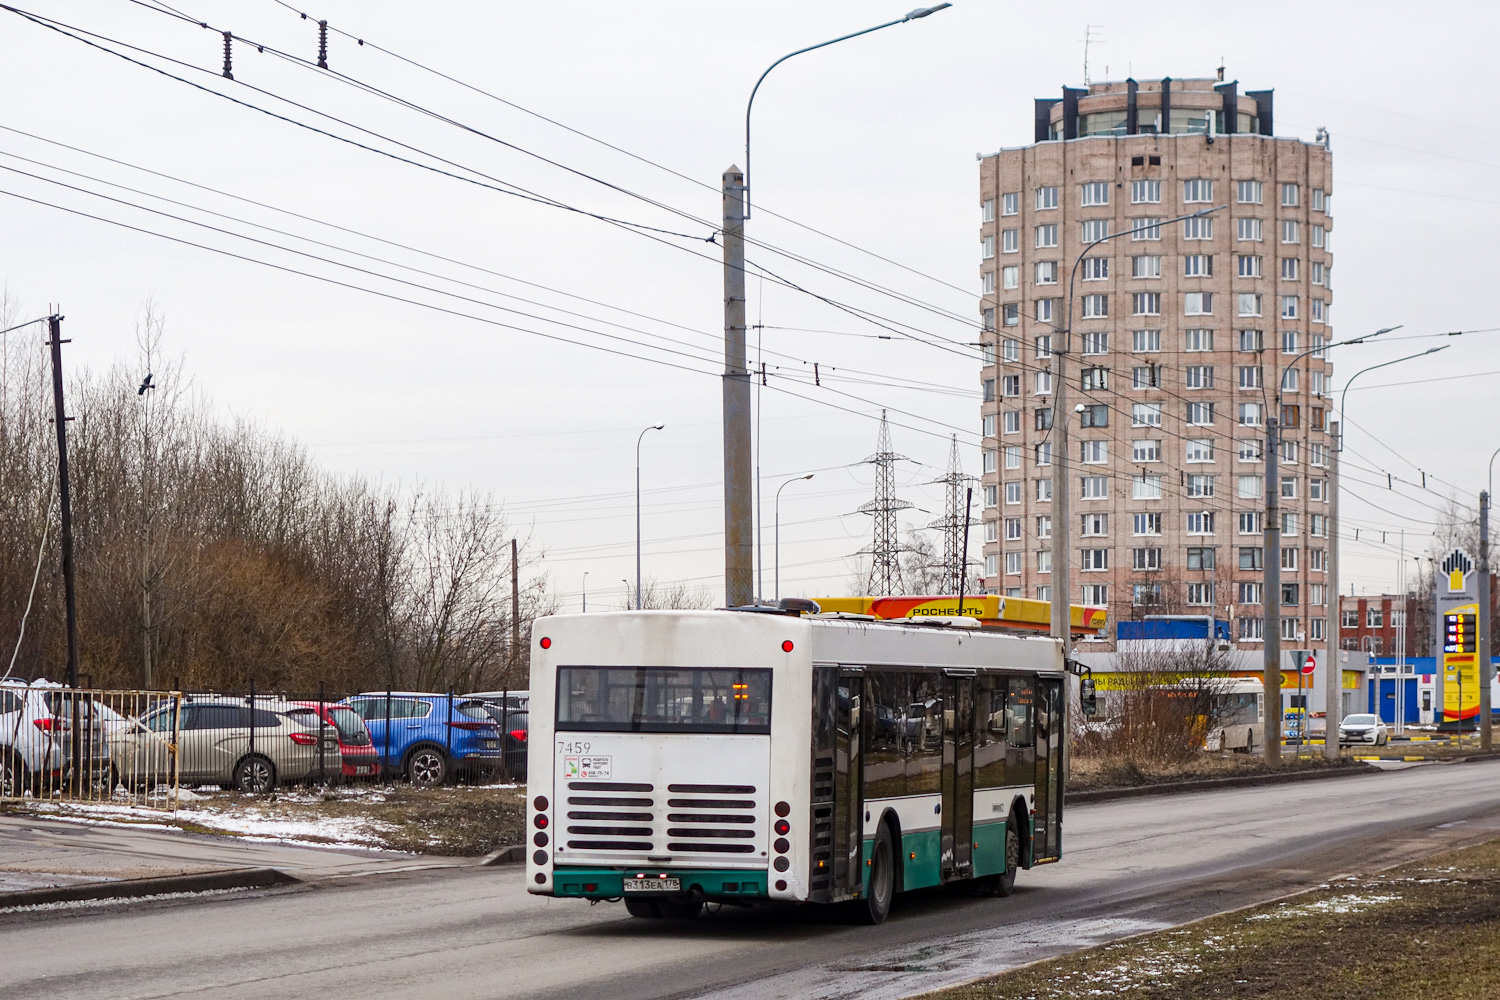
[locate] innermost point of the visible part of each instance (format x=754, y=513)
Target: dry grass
x=1090, y=772
x=1429, y=929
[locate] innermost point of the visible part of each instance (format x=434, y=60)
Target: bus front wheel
x=876, y=905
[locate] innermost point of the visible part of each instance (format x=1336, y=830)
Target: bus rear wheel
x=664, y=909
x=1005, y=882
x=876, y=905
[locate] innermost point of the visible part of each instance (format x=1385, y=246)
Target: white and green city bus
x=684, y=757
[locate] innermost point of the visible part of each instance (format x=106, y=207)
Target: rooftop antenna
x=1089, y=37
x=1221, y=69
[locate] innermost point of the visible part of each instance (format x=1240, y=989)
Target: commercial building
x=1185, y=338
x=1384, y=625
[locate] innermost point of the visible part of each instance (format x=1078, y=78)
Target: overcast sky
x=872, y=141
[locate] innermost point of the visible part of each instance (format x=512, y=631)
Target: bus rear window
x=663, y=700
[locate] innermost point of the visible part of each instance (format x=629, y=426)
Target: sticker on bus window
x=586, y=767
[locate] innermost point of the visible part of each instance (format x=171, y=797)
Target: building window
x=1145, y=229
x=1198, y=376
x=1317, y=313
x=1291, y=628
x=1043, y=346
x=1011, y=276
x=1200, y=450
x=1145, y=414
x=1145, y=192
x=1094, y=415
x=1095, y=268
x=1200, y=414
x=989, y=425
x=1198, y=265
x=1095, y=193
x=1145, y=560
x=1010, y=314
x=1198, y=229
x=1095, y=230
x=1095, y=525
x=1148, y=523
x=1291, y=413
x=1251, y=557
x=991, y=495
x=991, y=532
x=1043, y=490
x=1199, y=486
x=1145, y=487
x=1200, y=557
x=1012, y=457
x=1095, y=306
x=1010, y=241
x=1250, y=487
x=987, y=283
x=1197, y=190
x=1249, y=449
x=1288, y=452
x=1013, y=563
x=1247, y=265
x=1093, y=379
x=1046, y=197
x=1043, y=561
x=1252, y=340
x=1010, y=350
x=1374, y=618
x=1096, y=595
x=1288, y=558
x=1043, y=383
x=1249, y=522
x=1289, y=307
x=987, y=315
x=1249, y=305
x=1249, y=593
x=1315, y=489
x=1319, y=274
x=1249, y=376
x=1145, y=266
x=1046, y=272
x=1250, y=414
x=1250, y=628
x=1010, y=203
x=1289, y=524
x=1095, y=560
x=1289, y=195
x=1012, y=529
x=987, y=210
x=1044, y=593
x=1044, y=527
x=1044, y=310
x=1145, y=451
x=1093, y=452
x=1247, y=230
x=1289, y=231
x=1042, y=453
x=1247, y=192
x=1199, y=340
x=1095, y=487
x=1046, y=236
x=1145, y=304
x=1318, y=200
x=1012, y=493
x=1288, y=341
x=1316, y=628
x=1145, y=341
x=1289, y=270
x=1147, y=594
x=1096, y=343
x=1010, y=385
x=1198, y=303
x=1146, y=377
x=1315, y=560
x=1044, y=418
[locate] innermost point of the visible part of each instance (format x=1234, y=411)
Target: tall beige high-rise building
x=1185, y=338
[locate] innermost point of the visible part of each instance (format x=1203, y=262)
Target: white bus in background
x=684, y=757
x=1230, y=710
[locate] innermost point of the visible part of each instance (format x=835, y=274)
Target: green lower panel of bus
x=608, y=883
x=921, y=855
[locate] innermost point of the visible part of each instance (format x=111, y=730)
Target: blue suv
x=417, y=735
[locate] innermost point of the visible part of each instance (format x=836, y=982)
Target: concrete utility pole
x=54, y=328
x=739, y=530
x=1271, y=558
x=1333, y=672
x=515, y=610
x=1486, y=669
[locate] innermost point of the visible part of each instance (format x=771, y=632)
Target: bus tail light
x=783, y=808
x=786, y=647
x=540, y=821
x=519, y=735
x=782, y=827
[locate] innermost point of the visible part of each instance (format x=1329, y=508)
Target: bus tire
x=1005, y=882
x=680, y=909
x=876, y=905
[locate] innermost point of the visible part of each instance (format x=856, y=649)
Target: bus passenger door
x=958, y=778
x=1046, y=842
x=838, y=794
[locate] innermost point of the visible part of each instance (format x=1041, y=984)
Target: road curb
x=233, y=878
x=1212, y=784
x=515, y=854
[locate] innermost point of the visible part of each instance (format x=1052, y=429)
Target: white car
x=1363, y=729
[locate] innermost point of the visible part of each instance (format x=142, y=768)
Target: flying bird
x=145, y=384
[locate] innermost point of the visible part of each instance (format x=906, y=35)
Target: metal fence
x=140, y=747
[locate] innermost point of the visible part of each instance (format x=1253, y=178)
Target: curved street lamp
x=776, y=546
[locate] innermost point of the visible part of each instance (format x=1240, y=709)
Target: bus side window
x=885, y=768
x=989, y=744
x=924, y=763
x=1019, y=705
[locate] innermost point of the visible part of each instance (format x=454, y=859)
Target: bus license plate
x=653, y=885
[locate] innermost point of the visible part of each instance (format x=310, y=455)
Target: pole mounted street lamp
x=920, y=12
x=1062, y=604
x=776, y=545
x=585, y=591
x=653, y=427
x=627, y=592
x=739, y=526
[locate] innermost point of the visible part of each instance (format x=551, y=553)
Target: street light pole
x=1062, y=604
x=1486, y=667
x=653, y=427
x=739, y=527
x=585, y=591
x=776, y=545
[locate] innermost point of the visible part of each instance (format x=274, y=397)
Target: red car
x=357, y=754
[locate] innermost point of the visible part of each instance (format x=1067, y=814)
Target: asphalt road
x=1129, y=866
